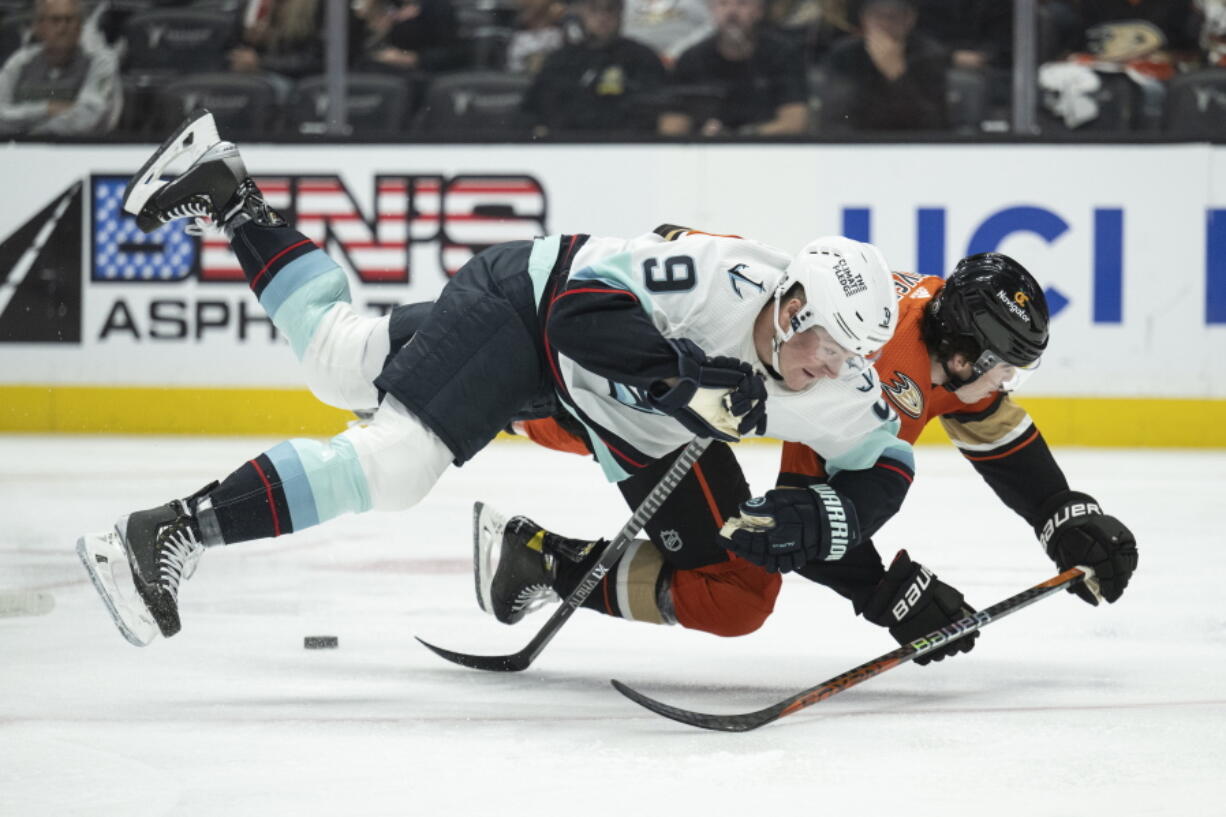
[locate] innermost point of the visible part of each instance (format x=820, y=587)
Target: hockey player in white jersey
x=644, y=343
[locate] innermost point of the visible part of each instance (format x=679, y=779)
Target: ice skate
x=161, y=547
x=214, y=185
x=107, y=564
x=522, y=580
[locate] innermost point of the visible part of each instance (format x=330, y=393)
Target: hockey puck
x=321, y=642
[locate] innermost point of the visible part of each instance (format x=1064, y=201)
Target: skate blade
x=193, y=138
x=107, y=564
x=488, y=525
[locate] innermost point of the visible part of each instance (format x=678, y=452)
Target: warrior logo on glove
x=788, y=528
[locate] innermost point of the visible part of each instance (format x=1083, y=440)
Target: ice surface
x=1062, y=709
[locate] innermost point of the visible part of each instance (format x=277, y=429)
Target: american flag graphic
x=463, y=215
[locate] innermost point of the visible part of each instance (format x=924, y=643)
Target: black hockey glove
x=719, y=397
x=791, y=527
x=913, y=603
x=1075, y=531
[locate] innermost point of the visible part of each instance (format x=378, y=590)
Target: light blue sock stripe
x=301, y=293
x=294, y=483
x=338, y=483
x=293, y=275
x=299, y=313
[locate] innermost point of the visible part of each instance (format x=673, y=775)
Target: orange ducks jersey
x=993, y=428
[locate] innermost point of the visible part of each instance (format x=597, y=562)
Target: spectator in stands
x=412, y=35
x=889, y=78
x=759, y=77
x=55, y=86
x=281, y=38
x=599, y=83
x=538, y=33
x=668, y=26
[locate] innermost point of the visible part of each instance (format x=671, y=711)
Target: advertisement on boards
x=1128, y=241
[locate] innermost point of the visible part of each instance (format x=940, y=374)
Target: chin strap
x=952, y=381
x=780, y=337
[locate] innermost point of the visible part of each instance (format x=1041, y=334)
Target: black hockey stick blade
x=817, y=694
x=518, y=661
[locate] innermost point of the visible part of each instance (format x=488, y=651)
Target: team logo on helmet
x=1021, y=298
x=905, y=393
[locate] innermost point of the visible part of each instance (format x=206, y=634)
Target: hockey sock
x=296, y=282
x=390, y=463
x=635, y=588
x=295, y=485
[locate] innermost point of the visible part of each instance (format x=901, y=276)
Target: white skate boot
x=214, y=184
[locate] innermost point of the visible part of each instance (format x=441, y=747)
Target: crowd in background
x=609, y=68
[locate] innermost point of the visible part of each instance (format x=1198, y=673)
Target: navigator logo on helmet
x=848, y=292
x=991, y=311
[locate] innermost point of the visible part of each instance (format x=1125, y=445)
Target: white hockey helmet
x=849, y=292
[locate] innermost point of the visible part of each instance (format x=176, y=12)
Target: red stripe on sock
x=256, y=279
x=272, y=505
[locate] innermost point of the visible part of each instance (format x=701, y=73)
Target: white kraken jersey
x=710, y=289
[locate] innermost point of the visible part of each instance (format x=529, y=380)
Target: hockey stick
x=827, y=689
x=646, y=509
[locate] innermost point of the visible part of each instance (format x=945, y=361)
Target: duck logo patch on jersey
x=905, y=393
x=735, y=274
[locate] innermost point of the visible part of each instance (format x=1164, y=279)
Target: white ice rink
x=1062, y=709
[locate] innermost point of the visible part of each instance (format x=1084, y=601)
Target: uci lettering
x=1106, y=296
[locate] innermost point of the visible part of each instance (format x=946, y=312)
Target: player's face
x=811, y=356
x=58, y=25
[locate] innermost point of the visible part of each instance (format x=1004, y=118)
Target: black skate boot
x=215, y=184
x=163, y=545
x=527, y=570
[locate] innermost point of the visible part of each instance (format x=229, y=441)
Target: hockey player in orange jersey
x=959, y=349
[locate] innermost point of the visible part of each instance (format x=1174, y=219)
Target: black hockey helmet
x=991, y=310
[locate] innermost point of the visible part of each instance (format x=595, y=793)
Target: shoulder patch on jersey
x=737, y=276
x=904, y=393
x=904, y=281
